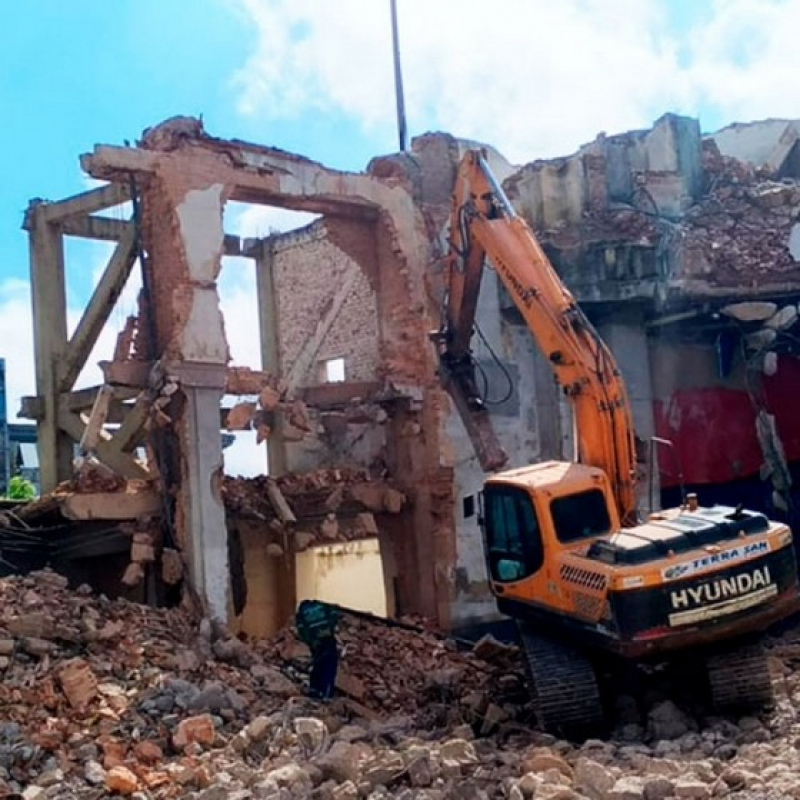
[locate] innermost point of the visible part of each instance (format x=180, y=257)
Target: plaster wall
x=759, y=143
x=347, y=574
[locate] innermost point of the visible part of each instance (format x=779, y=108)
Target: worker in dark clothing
x=316, y=627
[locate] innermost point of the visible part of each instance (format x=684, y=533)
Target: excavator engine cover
x=661, y=538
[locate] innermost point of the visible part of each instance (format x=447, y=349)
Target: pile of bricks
x=99, y=694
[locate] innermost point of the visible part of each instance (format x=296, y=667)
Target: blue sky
x=535, y=78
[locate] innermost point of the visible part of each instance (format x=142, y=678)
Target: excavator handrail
x=483, y=225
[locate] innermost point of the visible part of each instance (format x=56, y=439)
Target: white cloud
x=16, y=332
x=743, y=59
x=532, y=77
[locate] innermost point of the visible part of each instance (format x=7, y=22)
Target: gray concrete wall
x=528, y=424
x=759, y=143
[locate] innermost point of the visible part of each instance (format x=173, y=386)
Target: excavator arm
x=484, y=226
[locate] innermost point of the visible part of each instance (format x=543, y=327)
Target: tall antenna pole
x=398, y=79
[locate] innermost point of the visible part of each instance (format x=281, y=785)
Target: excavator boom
x=485, y=226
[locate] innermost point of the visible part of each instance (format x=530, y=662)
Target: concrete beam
x=106, y=450
x=97, y=312
x=113, y=194
x=107, y=229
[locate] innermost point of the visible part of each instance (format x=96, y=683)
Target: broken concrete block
x=297, y=415
x=199, y=729
x=142, y=549
x=761, y=339
x=770, y=365
x=751, y=311
x=368, y=495
x=303, y=540
x=329, y=527
x=78, y=683
x=393, y=501
x=35, y=625
x=240, y=417
x=365, y=523
x=794, y=241
x=334, y=499
x=121, y=780
x=269, y=398
x=133, y=575
x=783, y=319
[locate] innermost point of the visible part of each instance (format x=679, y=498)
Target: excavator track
x=567, y=696
x=740, y=678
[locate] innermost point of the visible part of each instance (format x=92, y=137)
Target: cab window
x=580, y=516
x=513, y=539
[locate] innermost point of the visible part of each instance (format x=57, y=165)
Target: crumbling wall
x=309, y=271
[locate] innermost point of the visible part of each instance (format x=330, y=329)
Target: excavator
x=589, y=582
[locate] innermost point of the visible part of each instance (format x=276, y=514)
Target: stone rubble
x=102, y=698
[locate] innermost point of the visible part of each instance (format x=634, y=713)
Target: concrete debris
x=335, y=497
x=753, y=311
x=115, y=705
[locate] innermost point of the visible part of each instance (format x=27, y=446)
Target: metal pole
x=398, y=79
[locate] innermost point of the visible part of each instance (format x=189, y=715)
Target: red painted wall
x=714, y=429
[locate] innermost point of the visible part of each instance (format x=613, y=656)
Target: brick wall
x=309, y=273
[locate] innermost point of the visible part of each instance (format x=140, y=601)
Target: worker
x=316, y=627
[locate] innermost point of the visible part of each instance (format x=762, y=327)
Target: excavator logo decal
x=525, y=295
x=720, y=597
x=714, y=560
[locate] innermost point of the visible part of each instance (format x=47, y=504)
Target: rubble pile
x=334, y=505
x=311, y=494
x=741, y=229
x=111, y=699
x=399, y=669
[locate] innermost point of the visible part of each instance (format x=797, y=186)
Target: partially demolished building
x=683, y=249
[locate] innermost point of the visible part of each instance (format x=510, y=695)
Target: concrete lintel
x=253, y=176
x=198, y=374
x=110, y=505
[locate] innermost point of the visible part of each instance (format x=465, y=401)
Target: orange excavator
x=567, y=554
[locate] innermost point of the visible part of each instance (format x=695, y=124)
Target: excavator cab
x=530, y=516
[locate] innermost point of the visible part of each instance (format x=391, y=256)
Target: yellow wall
x=348, y=574
x=266, y=610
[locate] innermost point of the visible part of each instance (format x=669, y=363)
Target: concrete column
x=207, y=541
x=270, y=348
x=184, y=237
x=626, y=336
x=49, y=297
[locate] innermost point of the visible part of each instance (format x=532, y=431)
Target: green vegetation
x=20, y=488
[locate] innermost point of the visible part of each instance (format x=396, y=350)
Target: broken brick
x=269, y=398
x=240, y=416
x=199, y=730
x=78, y=682
x=148, y=752
x=121, y=780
